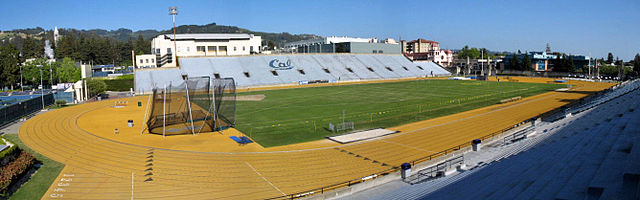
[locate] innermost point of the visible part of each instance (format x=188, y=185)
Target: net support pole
x=186, y=86
x=164, y=111
x=145, y=114
x=213, y=101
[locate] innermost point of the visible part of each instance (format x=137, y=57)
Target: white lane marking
x=265, y=179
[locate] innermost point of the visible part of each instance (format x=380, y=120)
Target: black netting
x=17, y=110
x=225, y=100
x=188, y=107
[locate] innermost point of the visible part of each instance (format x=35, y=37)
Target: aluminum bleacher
x=262, y=70
x=593, y=157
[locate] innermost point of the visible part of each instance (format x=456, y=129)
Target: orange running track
x=102, y=168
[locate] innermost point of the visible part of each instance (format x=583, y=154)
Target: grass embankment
x=290, y=116
x=37, y=186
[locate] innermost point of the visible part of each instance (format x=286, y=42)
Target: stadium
x=317, y=126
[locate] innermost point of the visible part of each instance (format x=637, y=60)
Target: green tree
x=31, y=72
x=96, y=86
x=636, y=65
x=610, y=58
x=67, y=71
x=570, y=65
x=32, y=48
x=515, y=62
x=142, y=46
x=472, y=53
x=526, y=63
x=9, y=61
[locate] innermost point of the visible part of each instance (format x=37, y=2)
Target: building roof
x=210, y=36
x=422, y=41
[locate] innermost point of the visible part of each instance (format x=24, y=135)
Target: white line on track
x=265, y=179
x=407, y=146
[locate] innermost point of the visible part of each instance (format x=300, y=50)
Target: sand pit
x=255, y=97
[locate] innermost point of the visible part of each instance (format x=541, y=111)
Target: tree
x=96, y=86
x=32, y=48
x=636, y=64
x=67, y=71
x=472, y=53
x=515, y=63
x=142, y=46
x=9, y=61
x=610, y=58
x=526, y=63
x=570, y=65
x=31, y=72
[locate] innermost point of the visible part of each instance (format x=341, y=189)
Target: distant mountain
x=123, y=34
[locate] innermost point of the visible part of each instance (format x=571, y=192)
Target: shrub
x=60, y=103
x=14, y=170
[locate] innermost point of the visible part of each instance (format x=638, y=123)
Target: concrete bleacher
x=257, y=70
x=593, y=157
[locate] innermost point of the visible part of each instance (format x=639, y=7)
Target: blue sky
x=586, y=27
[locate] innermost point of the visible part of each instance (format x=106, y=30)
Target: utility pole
x=42, y=87
x=21, y=88
x=173, y=11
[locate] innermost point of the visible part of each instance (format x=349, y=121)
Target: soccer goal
x=198, y=104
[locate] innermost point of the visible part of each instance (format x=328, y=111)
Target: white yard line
x=265, y=179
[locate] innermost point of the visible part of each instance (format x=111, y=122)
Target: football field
x=288, y=116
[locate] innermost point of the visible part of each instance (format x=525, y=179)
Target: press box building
x=202, y=44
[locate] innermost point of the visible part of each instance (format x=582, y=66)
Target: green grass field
x=303, y=114
x=42, y=179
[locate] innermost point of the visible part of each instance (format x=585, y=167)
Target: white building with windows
x=202, y=45
x=146, y=61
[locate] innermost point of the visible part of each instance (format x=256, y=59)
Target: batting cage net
x=191, y=107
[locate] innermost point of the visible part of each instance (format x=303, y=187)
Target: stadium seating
x=590, y=158
x=257, y=70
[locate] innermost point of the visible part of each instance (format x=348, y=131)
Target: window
x=369, y=68
x=158, y=51
x=389, y=68
x=169, y=50
x=405, y=68
x=380, y=51
x=349, y=69
x=419, y=67
x=235, y=48
x=274, y=72
x=247, y=74
x=244, y=48
x=188, y=49
x=200, y=49
x=301, y=71
x=326, y=70
x=147, y=60
x=152, y=60
x=216, y=75
x=141, y=60
x=375, y=51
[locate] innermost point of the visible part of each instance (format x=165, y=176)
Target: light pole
x=173, y=11
x=42, y=87
x=21, y=88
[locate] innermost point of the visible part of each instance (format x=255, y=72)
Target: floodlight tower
x=173, y=11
